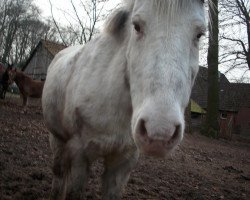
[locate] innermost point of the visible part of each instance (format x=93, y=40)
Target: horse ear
x=117, y=22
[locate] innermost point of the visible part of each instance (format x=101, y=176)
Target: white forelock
x=167, y=5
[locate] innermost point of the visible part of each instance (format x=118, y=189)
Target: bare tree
x=13, y=11
x=235, y=35
x=81, y=25
x=20, y=30
x=30, y=32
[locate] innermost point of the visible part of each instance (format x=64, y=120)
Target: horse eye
x=200, y=35
x=137, y=27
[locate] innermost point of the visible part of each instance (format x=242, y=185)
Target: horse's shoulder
x=63, y=57
x=69, y=52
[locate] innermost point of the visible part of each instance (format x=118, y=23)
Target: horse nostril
x=142, y=128
x=176, y=133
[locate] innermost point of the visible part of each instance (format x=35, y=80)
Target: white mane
x=169, y=9
x=168, y=6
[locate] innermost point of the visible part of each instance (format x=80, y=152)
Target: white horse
x=123, y=93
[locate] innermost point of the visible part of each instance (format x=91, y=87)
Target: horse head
x=162, y=38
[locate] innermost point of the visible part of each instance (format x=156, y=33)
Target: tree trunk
x=188, y=119
x=212, y=125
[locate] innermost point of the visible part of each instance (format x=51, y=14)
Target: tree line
x=20, y=30
x=225, y=16
x=22, y=27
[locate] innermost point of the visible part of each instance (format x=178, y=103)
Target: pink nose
x=159, y=141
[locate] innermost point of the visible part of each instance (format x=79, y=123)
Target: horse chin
x=155, y=153
x=157, y=149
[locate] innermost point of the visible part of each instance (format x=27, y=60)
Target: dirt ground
x=201, y=168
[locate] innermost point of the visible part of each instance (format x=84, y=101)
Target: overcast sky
x=65, y=5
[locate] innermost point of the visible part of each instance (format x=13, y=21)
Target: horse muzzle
x=158, y=133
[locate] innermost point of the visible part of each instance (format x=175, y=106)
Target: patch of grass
x=12, y=95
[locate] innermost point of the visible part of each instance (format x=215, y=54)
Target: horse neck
x=21, y=78
x=5, y=76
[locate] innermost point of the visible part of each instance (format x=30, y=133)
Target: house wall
x=38, y=65
x=197, y=121
x=227, y=123
x=243, y=121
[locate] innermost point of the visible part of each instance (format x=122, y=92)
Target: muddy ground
x=201, y=168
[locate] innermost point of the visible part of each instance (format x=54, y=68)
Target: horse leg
x=25, y=98
x=5, y=89
x=70, y=170
x=117, y=171
x=4, y=93
x=1, y=94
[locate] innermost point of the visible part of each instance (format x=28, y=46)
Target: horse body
x=26, y=85
x=81, y=111
x=123, y=93
x=79, y=105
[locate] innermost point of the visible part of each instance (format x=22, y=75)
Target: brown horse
x=4, y=80
x=27, y=86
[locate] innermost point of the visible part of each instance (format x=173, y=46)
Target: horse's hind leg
x=4, y=93
x=70, y=171
x=25, y=99
x=1, y=92
x=117, y=172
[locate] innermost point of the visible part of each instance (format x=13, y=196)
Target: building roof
x=237, y=95
x=232, y=95
x=196, y=108
x=52, y=48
